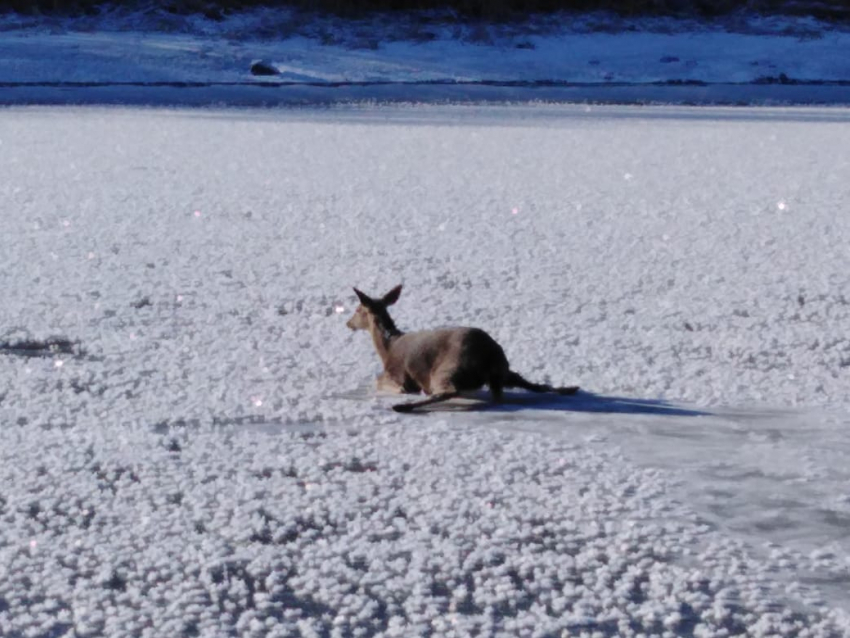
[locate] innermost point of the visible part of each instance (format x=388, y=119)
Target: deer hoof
x=403, y=407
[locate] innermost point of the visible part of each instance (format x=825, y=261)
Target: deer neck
x=383, y=333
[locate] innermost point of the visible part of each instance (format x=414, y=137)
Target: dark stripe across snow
x=299, y=93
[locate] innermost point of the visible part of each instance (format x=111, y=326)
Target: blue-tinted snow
x=600, y=58
x=191, y=442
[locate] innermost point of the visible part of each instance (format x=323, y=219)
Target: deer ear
x=392, y=296
x=363, y=297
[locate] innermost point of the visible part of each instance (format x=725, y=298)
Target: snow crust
x=192, y=445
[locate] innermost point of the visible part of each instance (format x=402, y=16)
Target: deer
x=442, y=363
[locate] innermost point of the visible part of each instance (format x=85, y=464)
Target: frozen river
x=192, y=444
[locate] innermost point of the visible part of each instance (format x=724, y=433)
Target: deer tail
x=516, y=380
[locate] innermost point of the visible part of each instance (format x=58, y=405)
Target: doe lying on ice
x=441, y=363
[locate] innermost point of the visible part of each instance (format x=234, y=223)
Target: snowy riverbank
x=158, y=58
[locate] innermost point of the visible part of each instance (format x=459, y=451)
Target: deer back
x=447, y=351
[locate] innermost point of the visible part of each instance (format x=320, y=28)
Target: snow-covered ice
x=191, y=441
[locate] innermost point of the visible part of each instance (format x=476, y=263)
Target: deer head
x=373, y=312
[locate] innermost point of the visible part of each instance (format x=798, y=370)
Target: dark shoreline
x=287, y=94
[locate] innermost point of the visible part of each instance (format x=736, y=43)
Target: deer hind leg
x=440, y=390
x=434, y=398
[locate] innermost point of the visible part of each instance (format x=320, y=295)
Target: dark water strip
x=280, y=93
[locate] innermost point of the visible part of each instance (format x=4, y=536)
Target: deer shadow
x=581, y=402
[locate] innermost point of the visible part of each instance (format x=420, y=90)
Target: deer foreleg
x=386, y=383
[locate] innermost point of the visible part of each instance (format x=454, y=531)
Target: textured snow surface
x=191, y=441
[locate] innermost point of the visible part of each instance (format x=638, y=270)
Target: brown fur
x=441, y=363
